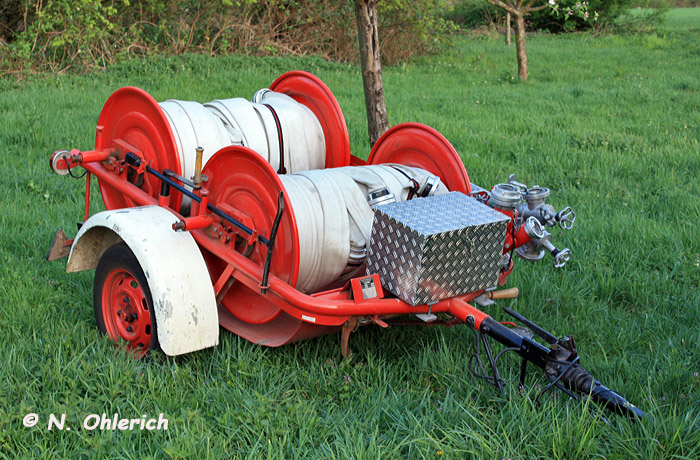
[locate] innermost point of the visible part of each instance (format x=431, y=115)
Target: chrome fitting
x=429, y=187
x=506, y=196
x=379, y=196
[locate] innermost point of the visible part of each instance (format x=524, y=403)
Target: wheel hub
x=125, y=311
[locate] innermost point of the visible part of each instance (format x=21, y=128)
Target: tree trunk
x=520, y=46
x=377, y=117
x=508, y=29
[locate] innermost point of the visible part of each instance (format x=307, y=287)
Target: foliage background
x=81, y=34
x=475, y=14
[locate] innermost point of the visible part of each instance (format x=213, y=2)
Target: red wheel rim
x=419, y=145
x=308, y=89
x=239, y=177
x=126, y=312
x=133, y=116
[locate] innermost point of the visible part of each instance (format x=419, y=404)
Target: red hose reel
x=245, y=185
x=131, y=120
x=241, y=179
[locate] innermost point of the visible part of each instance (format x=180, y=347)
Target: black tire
x=122, y=301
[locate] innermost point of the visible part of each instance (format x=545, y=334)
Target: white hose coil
x=194, y=126
x=238, y=116
x=269, y=128
x=304, y=142
x=333, y=216
x=221, y=123
x=226, y=122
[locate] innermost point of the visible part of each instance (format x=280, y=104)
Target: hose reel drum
x=312, y=252
x=296, y=125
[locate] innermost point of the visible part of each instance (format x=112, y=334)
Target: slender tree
x=370, y=58
x=509, y=29
x=519, y=9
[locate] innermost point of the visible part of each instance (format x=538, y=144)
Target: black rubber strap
x=282, y=169
x=413, y=190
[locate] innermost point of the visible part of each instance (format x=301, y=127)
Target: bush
x=64, y=34
x=613, y=15
x=408, y=27
x=609, y=12
x=472, y=14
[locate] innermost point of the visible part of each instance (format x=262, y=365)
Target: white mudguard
x=182, y=291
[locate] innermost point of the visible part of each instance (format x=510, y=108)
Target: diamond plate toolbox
x=433, y=248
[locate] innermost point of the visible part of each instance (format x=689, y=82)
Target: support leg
x=349, y=326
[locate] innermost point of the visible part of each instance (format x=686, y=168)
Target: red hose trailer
x=276, y=257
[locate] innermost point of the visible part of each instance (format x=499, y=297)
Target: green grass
x=610, y=124
x=683, y=20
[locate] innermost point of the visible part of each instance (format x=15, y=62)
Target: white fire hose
x=334, y=216
x=274, y=120
x=333, y=207
x=194, y=126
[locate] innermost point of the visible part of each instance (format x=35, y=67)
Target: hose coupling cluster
x=532, y=214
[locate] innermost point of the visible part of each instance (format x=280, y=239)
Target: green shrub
x=644, y=18
x=409, y=27
x=619, y=15
x=609, y=13
x=472, y=14
x=64, y=34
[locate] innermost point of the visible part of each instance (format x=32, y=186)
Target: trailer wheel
x=122, y=300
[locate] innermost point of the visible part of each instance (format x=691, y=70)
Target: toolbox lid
x=441, y=213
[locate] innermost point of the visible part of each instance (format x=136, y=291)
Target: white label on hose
x=308, y=318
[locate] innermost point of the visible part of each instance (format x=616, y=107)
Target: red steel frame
x=410, y=144
x=120, y=130
x=330, y=308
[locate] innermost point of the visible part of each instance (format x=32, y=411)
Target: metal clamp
x=260, y=95
x=512, y=180
x=533, y=228
x=357, y=255
x=429, y=186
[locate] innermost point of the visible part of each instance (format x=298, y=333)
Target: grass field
x=611, y=124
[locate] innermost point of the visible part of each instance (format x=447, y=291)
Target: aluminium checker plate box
x=433, y=248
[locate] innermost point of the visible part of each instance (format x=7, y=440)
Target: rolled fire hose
x=194, y=126
x=334, y=217
x=240, y=119
x=331, y=206
x=274, y=121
